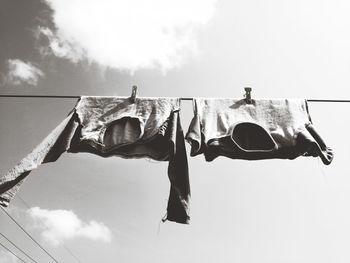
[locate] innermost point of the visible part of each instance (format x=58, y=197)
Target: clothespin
x=248, y=97
x=133, y=94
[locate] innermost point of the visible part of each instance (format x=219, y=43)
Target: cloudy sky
x=85, y=208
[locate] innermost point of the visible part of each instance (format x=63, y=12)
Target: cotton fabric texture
x=264, y=129
x=116, y=126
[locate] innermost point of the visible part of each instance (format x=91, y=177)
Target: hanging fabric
x=115, y=126
x=258, y=129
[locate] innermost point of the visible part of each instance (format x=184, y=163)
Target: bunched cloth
x=263, y=129
x=116, y=126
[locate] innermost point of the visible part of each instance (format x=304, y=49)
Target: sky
x=110, y=209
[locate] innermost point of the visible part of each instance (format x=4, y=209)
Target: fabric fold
x=115, y=126
x=263, y=129
x=49, y=150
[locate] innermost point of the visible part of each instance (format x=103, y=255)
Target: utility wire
x=66, y=248
x=12, y=252
x=40, y=96
x=317, y=100
x=36, y=242
x=77, y=97
x=18, y=247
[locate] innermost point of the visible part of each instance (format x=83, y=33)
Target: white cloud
x=20, y=72
x=7, y=257
x=60, y=225
x=61, y=47
x=129, y=34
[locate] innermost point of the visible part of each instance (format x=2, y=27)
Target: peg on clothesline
x=248, y=97
x=133, y=94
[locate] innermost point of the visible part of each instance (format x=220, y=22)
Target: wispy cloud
x=7, y=257
x=20, y=72
x=128, y=35
x=60, y=46
x=60, y=225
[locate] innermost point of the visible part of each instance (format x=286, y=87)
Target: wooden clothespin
x=248, y=97
x=133, y=94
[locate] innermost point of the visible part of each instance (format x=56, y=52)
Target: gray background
x=241, y=211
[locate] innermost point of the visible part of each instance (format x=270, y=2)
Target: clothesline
x=77, y=97
x=274, y=129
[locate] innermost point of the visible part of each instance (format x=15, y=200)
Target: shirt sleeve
x=49, y=150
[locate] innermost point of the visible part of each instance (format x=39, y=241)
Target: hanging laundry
x=114, y=126
x=263, y=129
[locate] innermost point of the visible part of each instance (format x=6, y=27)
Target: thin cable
x=13, y=244
x=317, y=100
x=71, y=253
x=66, y=248
x=77, y=97
x=36, y=242
x=12, y=252
x=41, y=96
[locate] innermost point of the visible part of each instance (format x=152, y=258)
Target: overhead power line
x=13, y=244
x=11, y=252
x=32, y=238
x=66, y=248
